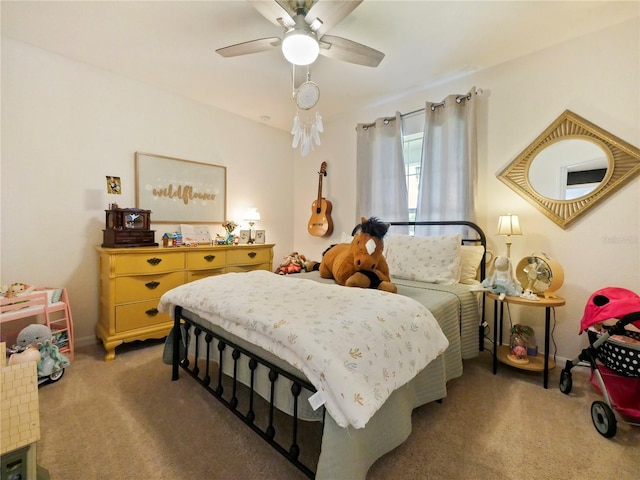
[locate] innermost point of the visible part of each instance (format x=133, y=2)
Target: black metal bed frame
x=203, y=377
x=291, y=452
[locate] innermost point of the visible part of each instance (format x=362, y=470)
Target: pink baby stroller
x=613, y=355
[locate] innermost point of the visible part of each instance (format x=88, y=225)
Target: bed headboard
x=473, y=234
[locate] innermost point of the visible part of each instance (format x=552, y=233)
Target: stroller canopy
x=607, y=303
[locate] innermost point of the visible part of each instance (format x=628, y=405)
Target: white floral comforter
x=355, y=346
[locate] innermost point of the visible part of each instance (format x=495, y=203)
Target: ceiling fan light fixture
x=300, y=46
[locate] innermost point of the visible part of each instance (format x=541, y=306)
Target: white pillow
x=53, y=294
x=470, y=259
x=425, y=259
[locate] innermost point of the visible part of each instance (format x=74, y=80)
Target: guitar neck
x=319, y=202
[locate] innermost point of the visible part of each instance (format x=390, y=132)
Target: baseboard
x=85, y=341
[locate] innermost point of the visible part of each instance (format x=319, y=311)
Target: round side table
x=538, y=363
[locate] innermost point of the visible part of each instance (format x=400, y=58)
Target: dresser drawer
x=206, y=260
x=246, y=256
x=146, y=287
x=248, y=268
x=148, y=262
x=200, y=274
x=139, y=315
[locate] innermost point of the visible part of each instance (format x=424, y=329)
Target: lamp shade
x=509, y=225
x=252, y=215
x=300, y=46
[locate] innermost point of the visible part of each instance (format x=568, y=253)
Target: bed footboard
x=209, y=347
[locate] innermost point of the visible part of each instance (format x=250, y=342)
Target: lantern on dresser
x=128, y=227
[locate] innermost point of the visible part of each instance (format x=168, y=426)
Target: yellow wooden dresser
x=132, y=280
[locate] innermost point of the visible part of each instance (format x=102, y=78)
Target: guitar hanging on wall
x=320, y=223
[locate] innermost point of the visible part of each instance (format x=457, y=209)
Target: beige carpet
x=126, y=420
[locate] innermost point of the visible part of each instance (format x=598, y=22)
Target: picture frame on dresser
x=260, y=236
x=244, y=237
x=200, y=188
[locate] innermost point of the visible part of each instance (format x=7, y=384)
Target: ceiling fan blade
x=340, y=48
x=276, y=12
x=252, y=46
x=324, y=15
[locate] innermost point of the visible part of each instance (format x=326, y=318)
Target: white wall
x=597, y=77
x=66, y=125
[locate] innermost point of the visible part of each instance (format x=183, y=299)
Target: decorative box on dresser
x=132, y=280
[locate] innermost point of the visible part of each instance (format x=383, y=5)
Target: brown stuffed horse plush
x=360, y=263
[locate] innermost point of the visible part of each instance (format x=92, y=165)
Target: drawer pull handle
x=152, y=285
x=154, y=261
x=152, y=312
x=252, y=254
x=209, y=258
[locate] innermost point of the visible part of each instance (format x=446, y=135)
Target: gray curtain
x=381, y=181
x=449, y=160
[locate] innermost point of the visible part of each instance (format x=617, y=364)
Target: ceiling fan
x=306, y=23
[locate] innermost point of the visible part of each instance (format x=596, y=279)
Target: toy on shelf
x=36, y=342
x=502, y=280
x=172, y=239
x=518, y=349
x=17, y=289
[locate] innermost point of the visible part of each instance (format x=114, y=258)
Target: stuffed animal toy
x=502, y=280
x=34, y=335
x=39, y=337
x=293, y=263
x=18, y=289
x=360, y=263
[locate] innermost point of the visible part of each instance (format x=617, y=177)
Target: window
x=412, y=150
x=440, y=186
x=412, y=135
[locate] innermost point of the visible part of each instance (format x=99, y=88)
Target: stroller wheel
x=566, y=382
x=603, y=419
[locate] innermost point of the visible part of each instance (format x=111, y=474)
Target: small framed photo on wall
x=260, y=237
x=114, y=185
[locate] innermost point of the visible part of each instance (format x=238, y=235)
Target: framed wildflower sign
x=180, y=191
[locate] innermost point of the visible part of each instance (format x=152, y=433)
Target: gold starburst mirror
x=571, y=167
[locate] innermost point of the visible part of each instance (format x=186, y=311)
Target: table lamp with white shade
x=509, y=225
x=252, y=216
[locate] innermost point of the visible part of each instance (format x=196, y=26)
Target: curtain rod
x=459, y=99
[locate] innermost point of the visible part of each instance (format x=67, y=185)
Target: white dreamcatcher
x=307, y=124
